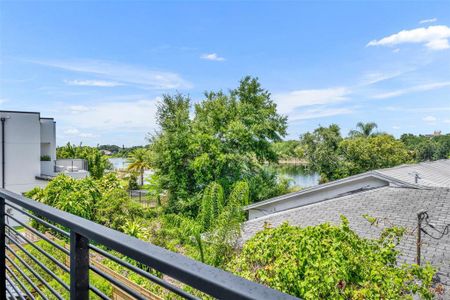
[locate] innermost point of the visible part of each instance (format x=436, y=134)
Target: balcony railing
x=21, y=279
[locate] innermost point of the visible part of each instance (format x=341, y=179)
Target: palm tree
x=139, y=161
x=364, y=130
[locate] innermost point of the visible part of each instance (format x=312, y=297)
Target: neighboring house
x=394, y=196
x=26, y=138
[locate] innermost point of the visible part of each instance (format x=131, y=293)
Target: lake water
x=300, y=175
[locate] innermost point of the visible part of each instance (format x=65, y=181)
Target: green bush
x=331, y=262
x=45, y=158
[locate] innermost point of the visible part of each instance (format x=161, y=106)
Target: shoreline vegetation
x=211, y=158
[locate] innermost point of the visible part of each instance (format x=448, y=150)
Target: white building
x=26, y=139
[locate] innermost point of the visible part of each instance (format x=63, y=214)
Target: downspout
x=3, y=120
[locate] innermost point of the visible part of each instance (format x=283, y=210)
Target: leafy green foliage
x=287, y=149
x=321, y=149
x=364, y=154
x=427, y=148
x=213, y=243
x=103, y=200
x=46, y=158
x=335, y=157
x=227, y=140
x=97, y=162
x=139, y=161
x=331, y=262
x=212, y=204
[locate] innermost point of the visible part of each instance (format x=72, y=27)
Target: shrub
x=331, y=262
x=45, y=158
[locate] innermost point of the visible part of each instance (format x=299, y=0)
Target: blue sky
x=99, y=68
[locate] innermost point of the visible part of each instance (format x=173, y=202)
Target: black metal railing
x=25, y=276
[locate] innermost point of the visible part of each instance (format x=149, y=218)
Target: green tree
x=227, y=140
x=364, y=130
x=364, y=154
x=425, y=148
x=321, y=149
x=331, y=262
x=139, y=161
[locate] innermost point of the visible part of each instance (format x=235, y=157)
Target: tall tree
x=364, y=129
x=321, y=149
x=227, y=140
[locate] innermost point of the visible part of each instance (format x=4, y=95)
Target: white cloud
x=136, y=115
x=375, y=77
x=74, y=132
x=212, y=56
x=395, y=127
x=78, y=108
x=428, y=21
x=3, y=100
x=429, y=119
x=96, y=83
x=447, y=121
x=287, y=102
x=121, y=73
x=319, y=113
x=434, y=37
x=413, y=89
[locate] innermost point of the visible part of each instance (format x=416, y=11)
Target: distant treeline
x=334, y=156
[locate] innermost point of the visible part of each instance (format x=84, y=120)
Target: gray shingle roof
x=435, y=173
x=392, y=205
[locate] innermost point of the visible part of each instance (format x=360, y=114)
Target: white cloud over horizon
x=430, y=119
x=412, y=89
x=74, y=132
x=321, y=112
x=287, y=102
x=96, y=83
x=433, y=37
x=134, y=115
x=121, y=73
x=212, y=57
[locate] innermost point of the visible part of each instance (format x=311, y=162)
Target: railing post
x=79, y=267
x=2, y=249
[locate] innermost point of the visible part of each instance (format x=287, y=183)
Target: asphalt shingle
x=392, y=206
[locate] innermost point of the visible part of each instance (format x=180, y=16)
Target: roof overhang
x=330, y=190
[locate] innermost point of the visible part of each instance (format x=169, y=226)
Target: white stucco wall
x=27, y=137
x=22, y=150
x=48, y=138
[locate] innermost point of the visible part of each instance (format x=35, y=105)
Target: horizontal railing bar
x=49, y=256
x=42, y=236
x=19, y=294
x=98, y=292
x=26, y=277
x=14, y=276
x=118, y=283
x=39, y=277
x=39, y=263
x=34, y=273
x=43, y=222
x=210, y=280
x=141, y=272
